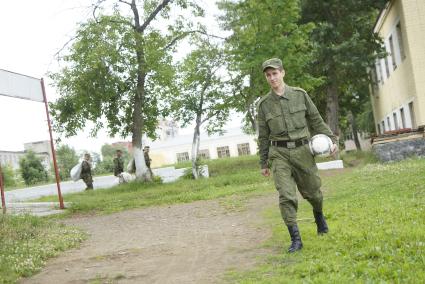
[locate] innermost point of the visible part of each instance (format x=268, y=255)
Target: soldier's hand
x=265, y=172
x=334, y=149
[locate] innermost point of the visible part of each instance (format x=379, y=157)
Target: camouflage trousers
x=88, y=180
x=292, y=169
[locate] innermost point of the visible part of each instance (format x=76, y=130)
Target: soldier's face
x=274, y=77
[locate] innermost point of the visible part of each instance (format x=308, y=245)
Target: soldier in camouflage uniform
x=287, y=118
x=147, y=159
x=118, y=163
x=86, y=172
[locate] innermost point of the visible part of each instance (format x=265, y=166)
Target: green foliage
x=32, y=170
x=9, y=176
x=262, y=29
x=345, y=46
x=202, y=93
x=375, y=214
x=26, y=242
x=66, y=158
x=188, y=172
x=119, y=68
x=104, y=167
x=365, y=120
x=109, y=151
x=99, y=81
x=108, y=154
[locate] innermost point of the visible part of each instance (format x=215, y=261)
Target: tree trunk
x=250, y=116
x=332, y=108
x=195, y=147
x=251, y=108
x=354, y=131
x=142, y=172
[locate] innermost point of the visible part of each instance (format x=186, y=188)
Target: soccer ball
x=320, y=145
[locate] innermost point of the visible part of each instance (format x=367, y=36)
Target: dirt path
x=185, y=243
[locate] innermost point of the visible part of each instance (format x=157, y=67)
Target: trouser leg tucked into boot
x=322, y=227
x=296, y=243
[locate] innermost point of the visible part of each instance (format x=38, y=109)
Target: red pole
x=3, y=200
x=53, y=147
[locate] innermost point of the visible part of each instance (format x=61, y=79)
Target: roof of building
x=382, y=15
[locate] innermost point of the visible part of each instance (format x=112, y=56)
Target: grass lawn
x=230, y=176
x=376, y=215
x=26, y=242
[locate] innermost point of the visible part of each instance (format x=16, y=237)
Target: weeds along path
x=186, y=243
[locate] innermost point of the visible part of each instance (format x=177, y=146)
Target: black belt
x=289, y=144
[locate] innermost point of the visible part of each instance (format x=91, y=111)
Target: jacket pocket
x=275, y=123
x=298, y=115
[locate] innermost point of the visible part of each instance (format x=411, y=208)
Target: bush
x=104, y=167
x=32, y=169
x=67, y=159
x=8, y=175
x=188, y=171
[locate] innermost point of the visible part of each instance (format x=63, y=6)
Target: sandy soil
x=185, y=243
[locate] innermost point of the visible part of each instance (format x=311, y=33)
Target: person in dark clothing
x=118, y=163
x=86, y=172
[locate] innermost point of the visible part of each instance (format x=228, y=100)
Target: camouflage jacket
x=85, y=169
x=118, y=165
x=290, y=117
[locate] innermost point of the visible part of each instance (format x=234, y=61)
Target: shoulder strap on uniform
x=263, y=99
x=299, y=89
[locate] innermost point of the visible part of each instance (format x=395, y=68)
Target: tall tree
x=67, y=158
x=118, y=68
x=202, y=93
x=8, y=175
x=261, y=29
x=345, y=48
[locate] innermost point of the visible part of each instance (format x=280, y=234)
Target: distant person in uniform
x=118, y=163
x=147, y=159
x=287, y=118
x=86, y=171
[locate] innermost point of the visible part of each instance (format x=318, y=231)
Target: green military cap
x=275, y=63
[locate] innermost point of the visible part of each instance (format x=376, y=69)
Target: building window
x=243, y=149
x=395, y=120
x=412, y=115
x=204, y=154
x=223, y=152
x=392, y=52
x=182, y=157
x=383, y=127
x=389, y=123
x=387, y=67
x=379, y=128
x=403, y=118
x=379, y=72
x=400, y=41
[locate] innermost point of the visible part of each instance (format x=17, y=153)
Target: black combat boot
x=296, y=243
x=322, y=227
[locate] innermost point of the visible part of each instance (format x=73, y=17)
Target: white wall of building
x=165, y=152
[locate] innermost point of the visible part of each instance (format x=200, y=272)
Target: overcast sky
x=31, y=32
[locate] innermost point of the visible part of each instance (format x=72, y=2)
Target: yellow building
x=398, y=92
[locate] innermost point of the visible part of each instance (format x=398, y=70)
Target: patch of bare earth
x=186, y=243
